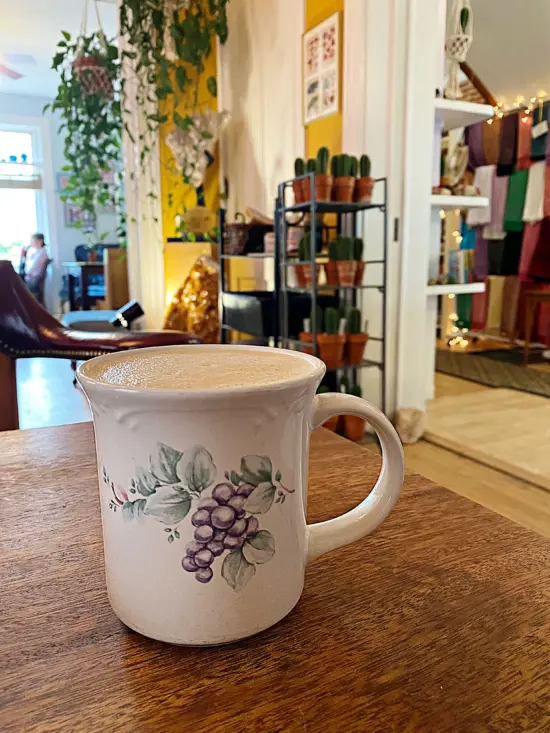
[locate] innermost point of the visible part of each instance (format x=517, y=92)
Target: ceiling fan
x=14, y=59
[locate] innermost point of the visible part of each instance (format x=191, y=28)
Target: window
x=19, y=190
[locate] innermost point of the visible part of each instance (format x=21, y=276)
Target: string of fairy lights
x=519, y=104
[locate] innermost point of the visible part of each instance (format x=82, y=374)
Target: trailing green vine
x=88, y=101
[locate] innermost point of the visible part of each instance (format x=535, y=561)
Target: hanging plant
x=170, y=42
x=88, y=101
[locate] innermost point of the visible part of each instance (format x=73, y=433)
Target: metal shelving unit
x=347, y=223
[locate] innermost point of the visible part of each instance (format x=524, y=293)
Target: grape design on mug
x=224, y=522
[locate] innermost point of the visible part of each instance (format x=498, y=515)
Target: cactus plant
x=353, y=166
x=322, y=161
x=334, y=166
x=299, y=167
x=304, y=248
x=345, y=248
x=355, y=390
x=358, y=249
x=346, y=165
x=364, y=166
x=322, y=389
x=331, y=321
x=353, y=324
x=318, y=319
x=333, y=250
x=311, y=165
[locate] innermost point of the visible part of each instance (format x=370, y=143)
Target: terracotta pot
x=92, y=256
x=342, y=190
x=306, y=190
x=308, y=272
x=332, y=423
x=298, y=192
x=363, y=190
x=307, y=338
x=300, y=275
x=331, y=271
x=354, y=427
x=347, y=270
x=323, y=187
x=360, y=271
x=355, y=348
x=331, y=349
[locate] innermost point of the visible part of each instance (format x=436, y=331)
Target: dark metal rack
x=346, y=295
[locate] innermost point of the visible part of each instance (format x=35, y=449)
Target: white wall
x=260, y=85
x=21, y=109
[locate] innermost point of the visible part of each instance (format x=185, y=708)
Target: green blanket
x=515, y=200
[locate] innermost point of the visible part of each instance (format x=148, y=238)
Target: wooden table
x=82, y=271
x=440, y=622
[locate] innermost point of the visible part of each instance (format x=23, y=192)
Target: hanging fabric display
x=457, y=45
x=491, y=140
x=539, y=131
x=508, y=145
x=495, y=228
x=474, y=140
x=481, y=256
x=515, y=201
x=524, y=142
x=483, y=181
x=89, y=66
x=510, y=302
x=534, y=199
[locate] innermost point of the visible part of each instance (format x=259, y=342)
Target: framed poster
x=321, y=69
x=73, y=215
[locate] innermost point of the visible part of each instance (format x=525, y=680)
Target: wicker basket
x=236, y=235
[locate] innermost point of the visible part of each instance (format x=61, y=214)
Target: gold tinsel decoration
x=194, y=308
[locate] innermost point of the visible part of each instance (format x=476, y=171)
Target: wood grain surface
x=439, y=622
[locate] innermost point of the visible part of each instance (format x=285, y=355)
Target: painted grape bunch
x=224, y=523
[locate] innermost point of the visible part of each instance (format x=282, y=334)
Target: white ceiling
x=33, y=28
x=510, y=48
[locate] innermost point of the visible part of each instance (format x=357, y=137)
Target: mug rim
x=317, y=372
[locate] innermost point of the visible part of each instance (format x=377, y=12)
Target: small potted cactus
x=298, y=186
x=346, y=265
x=356, y=339
x=364, y=184
x=311, y=167
x=331, y=270
x=304, y=274
x=354, y=427
x=332, y=422
x=358, y=257
x=323, y=182
x=306, y=335
x=331, y=343
x=344, y=182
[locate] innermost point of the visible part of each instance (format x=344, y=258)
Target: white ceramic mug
x=203, y=496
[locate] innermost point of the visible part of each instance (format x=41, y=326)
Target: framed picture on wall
x=74, y=215
x=321, y=69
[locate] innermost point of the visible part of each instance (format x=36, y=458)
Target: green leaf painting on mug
x=164, y=462
x=261, y=499
x=260, y=548
x=133, y=509
x=236, y=570
x=256, y=469
x=168, y=505
x=196, y=469
x=145, y=483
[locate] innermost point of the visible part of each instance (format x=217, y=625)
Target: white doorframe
x=373, y=99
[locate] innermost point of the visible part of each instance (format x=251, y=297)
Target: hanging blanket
x=494, y=308
x=508, y=144
x=534, y=200
x=481, y=256
x=483, y=181
x=474, y=141
x=510, y=302
x=495, y=230
x=524, y=142
x=511, y=253
x=515, y=201
x=538, y=144
x=491, y=140
x=530, y=240
x=539, y=267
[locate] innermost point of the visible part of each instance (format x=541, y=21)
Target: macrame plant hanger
x=457, y=45
x=89, y=67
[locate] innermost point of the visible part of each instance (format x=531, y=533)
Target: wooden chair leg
x=530, y=305
x=9, y=414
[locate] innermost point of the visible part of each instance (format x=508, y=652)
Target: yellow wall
x=179, y=257
x=328, y=130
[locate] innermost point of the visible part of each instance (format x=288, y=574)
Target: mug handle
x=365, y=518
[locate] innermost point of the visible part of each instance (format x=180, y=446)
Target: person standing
x=34, y=264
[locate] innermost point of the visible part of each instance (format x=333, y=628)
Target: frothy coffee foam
x=197, y=368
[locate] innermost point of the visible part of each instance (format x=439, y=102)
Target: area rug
x=506, y=429
x=494, y=371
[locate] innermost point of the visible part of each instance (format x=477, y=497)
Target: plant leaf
x=236, y=570
x=168, y=505
x=133, y=509
x=163, y=465
x=235, y=478
x=181, y=78
x=259, y=549
x=196, y=468
x=146, y=483
x=261, y=499
x=256, y=469
x=212, y=86
x=66, y=35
